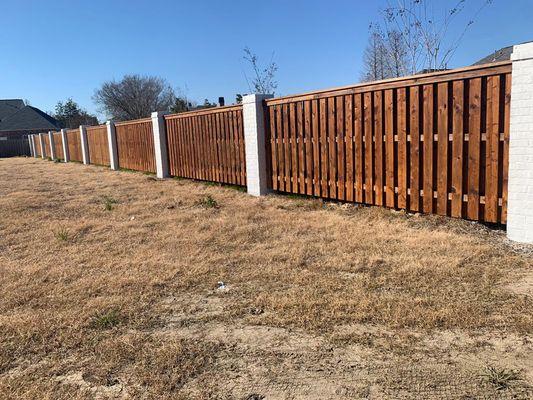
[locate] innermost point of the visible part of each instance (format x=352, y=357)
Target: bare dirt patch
x=116, y=285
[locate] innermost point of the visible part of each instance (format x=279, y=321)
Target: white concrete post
x=520, y=195
x=253, y=112
x=64, y=140
x=52, y=147
x=84, y=144
x=160, y=144
x=41, y=140
x=112, y=142
x=31, y=140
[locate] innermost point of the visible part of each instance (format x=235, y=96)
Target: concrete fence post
x=52, y=147
x=31, y=140
x=253, y=112
x=64, y=141
x=41, y=141
x=112, y=142
x=520, y=185
x=84, y=144
x=160, y=144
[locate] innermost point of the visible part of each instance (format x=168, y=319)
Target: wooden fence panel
x=38, y=150
x=74, y=145
x=46, y=140
x=14, y=147
x=432, y=143
x=207, y=145
x=58, y=145
x=135, y=145
x=98, y=145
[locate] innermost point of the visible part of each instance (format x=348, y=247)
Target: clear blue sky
x=52, y=50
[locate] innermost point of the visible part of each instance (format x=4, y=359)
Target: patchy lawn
x=117, y=285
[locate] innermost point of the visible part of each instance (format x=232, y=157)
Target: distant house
x=18, y=119
x=504, y=54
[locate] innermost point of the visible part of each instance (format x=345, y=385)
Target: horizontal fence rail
x=434, y=144
x=98, y=145
x=207, y=145
x=135, y=145
x=14, y=147
x=74, y=145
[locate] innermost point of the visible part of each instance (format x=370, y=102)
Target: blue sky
x=52, y=50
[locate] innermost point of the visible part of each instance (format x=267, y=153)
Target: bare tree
x=263, y=80
x=374, y=57
x=385, y=55
x=134, y=97
x=418, y=33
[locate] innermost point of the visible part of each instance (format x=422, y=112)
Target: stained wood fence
x=98, y=145
x=38, y=149
x=207, y=145
x=135, y=145
x=74, y=145
x=435, y=144
x=46, y=141
x=14, y=147
x=58, y=145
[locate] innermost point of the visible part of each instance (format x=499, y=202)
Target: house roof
x=28, y=118
x=9, y=106
x=502, y=54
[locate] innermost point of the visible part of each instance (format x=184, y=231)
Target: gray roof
x=503, y=54
x=28, y=118
x=9, y=106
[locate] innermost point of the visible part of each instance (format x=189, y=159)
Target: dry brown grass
x=110, y=289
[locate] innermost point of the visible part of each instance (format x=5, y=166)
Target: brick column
x=112, y=142
x=520, y=203
x=84, y=144
x=43, y=149
x=253, y=111
x=52, y=147
x=64, y=141
x=160, y=144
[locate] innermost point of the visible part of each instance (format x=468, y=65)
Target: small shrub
x=500, y=377
x=207, y=202
x=62, y=234
x=106, y=320
x=108, y=202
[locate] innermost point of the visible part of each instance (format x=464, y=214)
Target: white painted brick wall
x=520, y=204
x=253, y=113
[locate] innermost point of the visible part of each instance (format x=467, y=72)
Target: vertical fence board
x=378, y=146
x=414, y=132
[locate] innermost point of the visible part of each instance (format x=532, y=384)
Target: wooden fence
x=207, y=145
x=58, y=145
x=98, y=145
x=46, y=141
x=38, y=150
x=14, y=147
x=437, y=143
x=74, y=145
x=135, y=145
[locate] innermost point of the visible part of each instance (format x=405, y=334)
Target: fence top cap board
x=204, y=111
x=134, y=121
x=464, y=72
x=95, y=127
